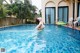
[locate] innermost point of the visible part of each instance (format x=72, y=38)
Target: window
x=50, y=15
x=63, y=14
x=79, y=10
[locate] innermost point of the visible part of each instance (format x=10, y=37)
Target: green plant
x=61, y=23
x=22, y=10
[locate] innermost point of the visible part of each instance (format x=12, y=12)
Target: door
x=79, y=10
x=63, y=14
x=50, y=15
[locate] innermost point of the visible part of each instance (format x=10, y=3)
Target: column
x=56, y=14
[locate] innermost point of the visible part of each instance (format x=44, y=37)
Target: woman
x=40, y=24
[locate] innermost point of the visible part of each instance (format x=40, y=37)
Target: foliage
x=33, y=11
x=3, y=10
x=40, y=13
x=61, y=23
x=23, y=10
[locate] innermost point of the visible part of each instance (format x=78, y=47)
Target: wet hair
x=37, y=21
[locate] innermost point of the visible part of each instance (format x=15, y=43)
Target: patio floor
x=78, y=28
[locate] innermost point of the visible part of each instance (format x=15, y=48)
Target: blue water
x=52, y=39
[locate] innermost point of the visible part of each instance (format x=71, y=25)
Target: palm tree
x=23, y=10
x=2, y=9
x=33, y=9
x=29, y=10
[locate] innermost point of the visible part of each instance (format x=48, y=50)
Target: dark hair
x=37, y=21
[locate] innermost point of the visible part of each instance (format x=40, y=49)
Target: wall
x=56, y=4
x=9, y=21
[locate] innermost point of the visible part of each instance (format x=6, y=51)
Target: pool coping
x=72, y=27
x=15, y=25
x=10, y=25
x=75, y=28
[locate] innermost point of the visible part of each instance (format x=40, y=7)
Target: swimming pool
x=52, y=39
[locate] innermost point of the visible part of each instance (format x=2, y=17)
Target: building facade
x=60, y=10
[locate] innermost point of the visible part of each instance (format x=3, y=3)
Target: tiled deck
x=78, y=28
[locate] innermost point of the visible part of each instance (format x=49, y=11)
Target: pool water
x=52, y=39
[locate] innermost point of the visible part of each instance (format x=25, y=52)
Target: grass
x=61, y=23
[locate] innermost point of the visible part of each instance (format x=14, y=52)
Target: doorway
x=50, y=15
